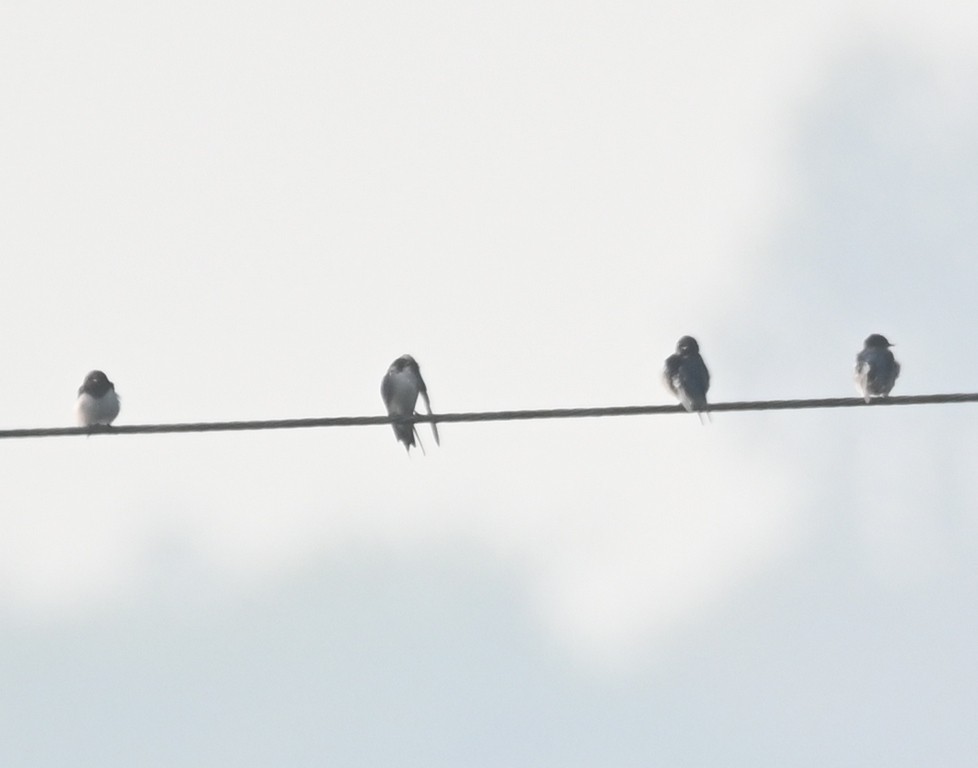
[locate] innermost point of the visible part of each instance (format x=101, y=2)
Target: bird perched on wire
x=97, y=403
x=876, y=368
x=686, y=375
x=400, y=389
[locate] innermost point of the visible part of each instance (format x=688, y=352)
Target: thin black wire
x=525, y=415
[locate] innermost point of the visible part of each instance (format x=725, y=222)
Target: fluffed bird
x=400, y=389
x=686, y=375
x=876, y=368
x=97, y=403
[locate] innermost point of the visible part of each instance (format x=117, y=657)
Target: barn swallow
x=400, y=389
x=97, y=403
x=686, y=375
x=876, y=368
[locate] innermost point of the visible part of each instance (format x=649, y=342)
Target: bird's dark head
x=876, y=341
x=687, y=346
x=404, y=362
x=96, y=384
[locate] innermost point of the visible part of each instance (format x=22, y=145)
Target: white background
x=248, y=210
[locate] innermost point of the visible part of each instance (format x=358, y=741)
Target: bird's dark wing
x=427, y=404
x=385, y=391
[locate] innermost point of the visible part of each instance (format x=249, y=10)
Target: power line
x=522, y=415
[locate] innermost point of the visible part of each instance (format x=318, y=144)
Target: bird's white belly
x=90, y=411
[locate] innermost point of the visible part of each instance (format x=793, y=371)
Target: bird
x=97, y=403
x=686, y=375
x=400, y=388
x=876, y=368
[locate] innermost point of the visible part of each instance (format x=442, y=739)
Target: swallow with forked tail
x=876, y=368
x=686, y=375
x=97, y=403
x=400, y=389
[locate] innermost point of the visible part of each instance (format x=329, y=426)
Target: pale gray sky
x=248, y=210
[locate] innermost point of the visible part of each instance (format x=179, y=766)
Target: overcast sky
x=248, y=210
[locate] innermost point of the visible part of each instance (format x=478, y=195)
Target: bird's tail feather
x=405, y=434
